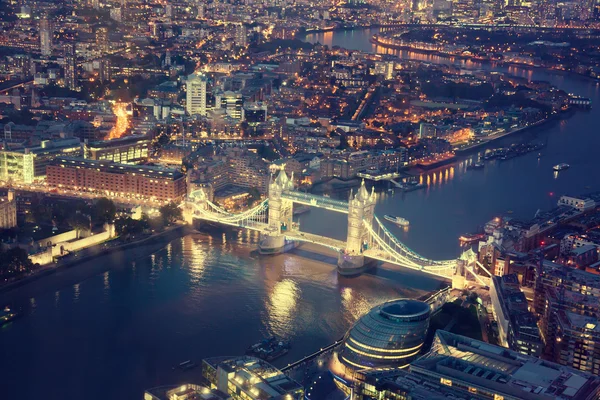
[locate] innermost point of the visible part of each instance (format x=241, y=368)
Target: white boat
x=561, y=166
x=397, y=220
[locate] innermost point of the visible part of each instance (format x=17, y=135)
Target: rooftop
x=504, y=371
x=256, y=376
x=116, y=168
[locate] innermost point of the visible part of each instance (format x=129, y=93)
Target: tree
x=104, y=210
x=14, y=262
x=129, y=226
x=170, y=213
x=79, y=221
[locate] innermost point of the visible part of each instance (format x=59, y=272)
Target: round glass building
x=390, y=335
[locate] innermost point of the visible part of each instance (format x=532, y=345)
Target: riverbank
x=501, y=63
x=66, y=271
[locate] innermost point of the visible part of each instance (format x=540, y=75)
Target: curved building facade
x=390, y=335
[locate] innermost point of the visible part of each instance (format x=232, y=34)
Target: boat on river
x=397, y=220
x=561, y=167
x=7, y=315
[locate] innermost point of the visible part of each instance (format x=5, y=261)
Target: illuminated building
x=28, y=164
x=347, y=165
x=119, y=180
x=8, y=211
x=186, y=391
x=196, y=86
x=241, y=35
x=250, y=378
x=232, y=103
x=517, y=326
x=255, y=113
x=127, y=150
x=389, y=336
x=70, y=66
x=232, y=167
x=568, y=303
x=458, y=367
x=45, y=37
x=102, y=40
x=22, y=65
x=105, y=70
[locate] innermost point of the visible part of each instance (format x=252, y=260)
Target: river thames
x=120, y=328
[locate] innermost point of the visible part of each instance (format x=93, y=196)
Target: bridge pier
x=274, y=244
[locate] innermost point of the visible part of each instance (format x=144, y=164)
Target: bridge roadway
x=316, y=201
x=242, y=223
x=312, y=238
x=442, y=271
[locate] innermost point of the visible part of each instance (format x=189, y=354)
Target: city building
x=116, y=180
x=234, y=166
x=126, y=150
x=102, y=40
x=186, y=391
x=45, y=36
x=232, y=103
x=347, y=165
x=517, y=326
x=458, y=367
x=250, y=378
x=28, y=164
x=389, y=336
x=241, y=35
x=8, y=210
x=567, y=301
x=70, y=66
x=581, y=204
x=196, y=86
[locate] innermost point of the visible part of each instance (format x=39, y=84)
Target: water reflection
x=76, y=292
x=281, y=306
x=355, y=304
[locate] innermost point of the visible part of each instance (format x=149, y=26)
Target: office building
x=517, y=326
x=22, y=65
x=45, y=36
x=105, y=70
x=196, y=86
x=8, y=210
x=118, y=180
x=232, y=103
x=70, y=66
x=127, y=150
x=28, y=164
x=389, y=336
x=567, y=301
x=458, y=367
x=250, y=378
x=102, y=40
x=241, y=35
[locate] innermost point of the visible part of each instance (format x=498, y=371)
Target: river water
x=458, y=200
x=119, y=328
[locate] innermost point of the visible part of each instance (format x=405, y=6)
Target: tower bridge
x=367, y=239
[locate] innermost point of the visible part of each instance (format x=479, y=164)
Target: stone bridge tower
x=361, y=209
x=280, y=215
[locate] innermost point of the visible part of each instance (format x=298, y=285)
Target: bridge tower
x=280, y=215
x=195, y=199
x=361, y=208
